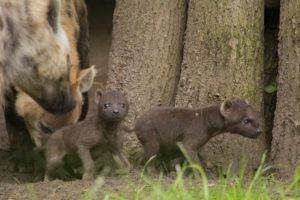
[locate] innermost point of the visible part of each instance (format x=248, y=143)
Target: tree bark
x=286, y=131
x=146, y=52
x=223, y=59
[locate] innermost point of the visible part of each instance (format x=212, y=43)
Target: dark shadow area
x=100, y=16
x=270, y=67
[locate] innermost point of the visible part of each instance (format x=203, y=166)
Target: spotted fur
x=37, y=119
x=38, y=42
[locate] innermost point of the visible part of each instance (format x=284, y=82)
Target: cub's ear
x=98, y=95
x=226, y=108
x=54, y=14
x=244, y=99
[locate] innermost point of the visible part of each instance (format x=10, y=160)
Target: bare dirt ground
x=16, y=186
x=22, y=186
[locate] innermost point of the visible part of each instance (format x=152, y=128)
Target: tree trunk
x=286, y=132
x=223, y=59
x=146, y=53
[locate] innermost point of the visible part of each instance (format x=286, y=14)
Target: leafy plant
x=271, y=88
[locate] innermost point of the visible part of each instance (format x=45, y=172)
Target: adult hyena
x=35, y=52
x=73, y=23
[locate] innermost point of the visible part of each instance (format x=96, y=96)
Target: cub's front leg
x=88, y=163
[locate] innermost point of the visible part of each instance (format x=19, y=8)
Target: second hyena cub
x=102, y=129
x=160, y=129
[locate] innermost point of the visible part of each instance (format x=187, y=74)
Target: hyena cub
x=102, y=129
x=160, y=129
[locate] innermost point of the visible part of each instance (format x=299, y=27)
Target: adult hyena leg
x=4, y=140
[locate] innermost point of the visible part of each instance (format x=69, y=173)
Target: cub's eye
x=122, y=105
x=106, y=105
x=246, y=121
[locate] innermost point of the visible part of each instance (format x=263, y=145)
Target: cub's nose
x=116, y=111
x=258, y=131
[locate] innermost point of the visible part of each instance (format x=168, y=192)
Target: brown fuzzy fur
x=160, y=129
x=99, y=130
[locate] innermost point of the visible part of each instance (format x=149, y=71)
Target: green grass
x=234, y=187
